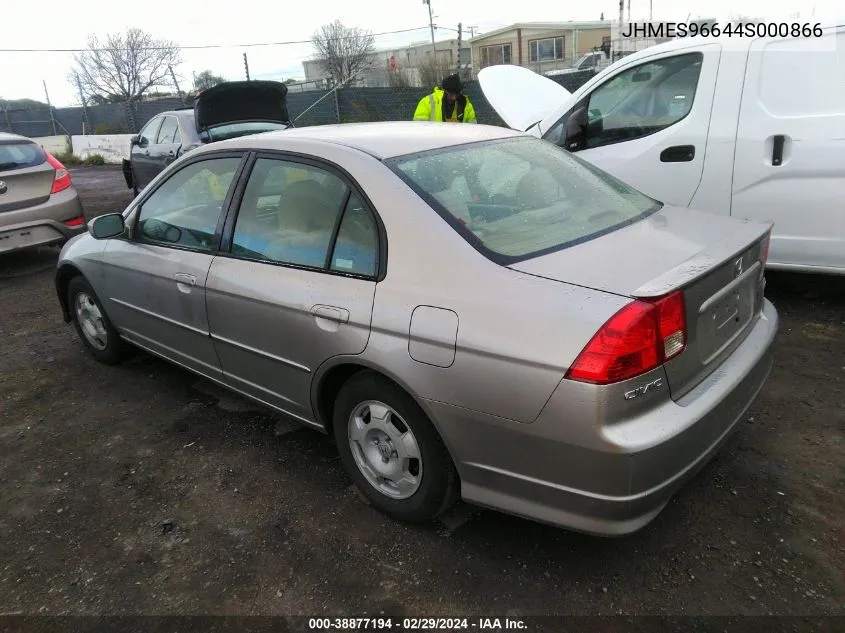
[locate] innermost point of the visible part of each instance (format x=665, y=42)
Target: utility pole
x=649, y=10
x=50, y=105
x=86, y=119
x=246, y=67
x=472, y=30
x=629, y=10
x=431, y=26
x=621, y=25
x=460, y=45
x=176, y=84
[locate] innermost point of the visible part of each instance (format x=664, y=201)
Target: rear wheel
x=92, y=324
x=392, y=451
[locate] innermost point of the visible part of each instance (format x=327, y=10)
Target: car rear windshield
x=234, y=130
x=17, y=155
x=518, y=198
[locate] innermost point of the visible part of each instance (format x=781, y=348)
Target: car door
x=789, y=166
x=294, y=285
x=155, y=276
x=143, y=169
x=166, y=148
x=648, y=124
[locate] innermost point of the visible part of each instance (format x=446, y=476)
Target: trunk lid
x=241, y=102
x=26, y=178
x=520, y=96
x=714, y=260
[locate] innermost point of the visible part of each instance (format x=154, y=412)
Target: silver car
x=38, y=203
x=471, y=311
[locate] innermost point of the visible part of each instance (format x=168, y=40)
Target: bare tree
x=433, y=70
x=125, y=66
x=206, y=79
x=344, y=51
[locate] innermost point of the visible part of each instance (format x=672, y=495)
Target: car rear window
x=514, y=199
x=18, y=155
x=233, y=130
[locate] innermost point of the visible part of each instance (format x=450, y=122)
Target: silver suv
x=38, y=203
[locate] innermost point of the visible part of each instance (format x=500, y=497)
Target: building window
x=493, y=55
x=546, y=50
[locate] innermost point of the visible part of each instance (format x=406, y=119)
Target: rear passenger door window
x=306, y=216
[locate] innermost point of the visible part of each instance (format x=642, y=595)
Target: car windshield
x=519, y=198
x=233, y=130
x=20, y=155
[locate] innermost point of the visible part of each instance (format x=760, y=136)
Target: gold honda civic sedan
x=471, y=311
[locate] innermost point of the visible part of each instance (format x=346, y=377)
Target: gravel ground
x=141, y=489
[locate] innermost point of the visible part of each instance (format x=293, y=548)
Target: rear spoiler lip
x=702, y=263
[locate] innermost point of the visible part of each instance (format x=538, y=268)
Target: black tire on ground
x=116, y=349
x=440, y=486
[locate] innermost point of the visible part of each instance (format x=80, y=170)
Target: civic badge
x=738, y=267
x=3, y=187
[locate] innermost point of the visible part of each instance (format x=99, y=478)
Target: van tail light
x=764, y=248
x=640, y=337
x=61, y=180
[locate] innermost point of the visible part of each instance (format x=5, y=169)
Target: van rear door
x=790, y=149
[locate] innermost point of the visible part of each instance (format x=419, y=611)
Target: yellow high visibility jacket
x=430, y=108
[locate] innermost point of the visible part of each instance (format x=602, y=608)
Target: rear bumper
x=41, y=224
x=613, y=479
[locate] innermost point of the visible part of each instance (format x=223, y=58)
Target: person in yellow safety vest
x=447, y=103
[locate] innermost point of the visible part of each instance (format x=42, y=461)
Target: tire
x=360, y=406
x=113, y=349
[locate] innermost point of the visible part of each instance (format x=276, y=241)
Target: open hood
x=520, y=96
x=241, y=101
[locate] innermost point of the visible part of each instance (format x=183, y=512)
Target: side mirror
x=106, y=226
x=576, y=126
x=135, y=140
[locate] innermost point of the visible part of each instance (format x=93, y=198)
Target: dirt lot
x=140, y=489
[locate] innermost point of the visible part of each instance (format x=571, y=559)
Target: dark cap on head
x=452, y=83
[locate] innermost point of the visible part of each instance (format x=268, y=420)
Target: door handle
x=341, y=315
x=678, y=154
x=171, y=153
x=185, y=278
x=777, y=149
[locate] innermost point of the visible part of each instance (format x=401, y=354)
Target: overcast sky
x=230, y=24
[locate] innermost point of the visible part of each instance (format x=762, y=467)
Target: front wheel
x=93, y=326
x=392, y=451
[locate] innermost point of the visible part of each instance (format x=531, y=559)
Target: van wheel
x=392, y=451
x=92, y=324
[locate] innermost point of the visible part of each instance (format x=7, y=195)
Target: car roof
x=8, y=136
x=382, y=140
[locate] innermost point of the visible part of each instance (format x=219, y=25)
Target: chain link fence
x=345, y=105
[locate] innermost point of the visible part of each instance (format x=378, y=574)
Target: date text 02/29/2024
x=416, y=624
x=671, y=30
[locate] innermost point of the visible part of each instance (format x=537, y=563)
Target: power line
x=205, y=46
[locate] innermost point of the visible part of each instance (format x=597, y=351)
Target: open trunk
x=715, y=261
x=241, y=102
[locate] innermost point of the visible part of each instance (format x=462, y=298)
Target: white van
x=748, y=127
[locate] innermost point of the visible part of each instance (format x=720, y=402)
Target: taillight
x=764, y=249
x=641, y=336
x=61, y=180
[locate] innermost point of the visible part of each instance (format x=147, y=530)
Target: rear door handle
x=678, y=154
x=185, y=278
x=341, y=315
x=777, y=149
